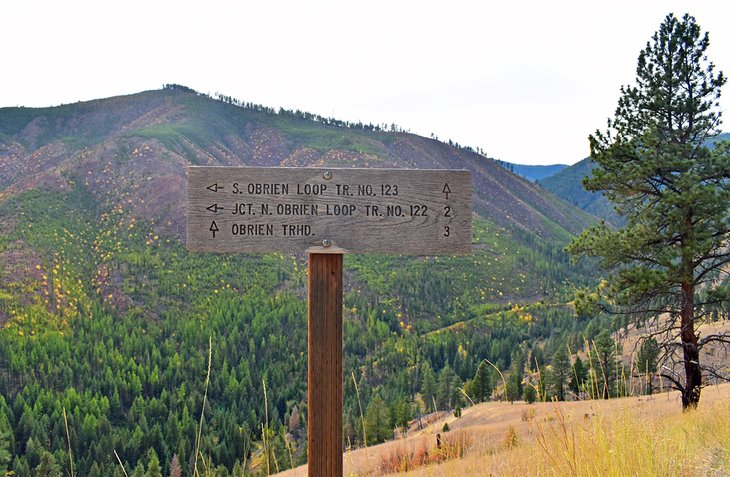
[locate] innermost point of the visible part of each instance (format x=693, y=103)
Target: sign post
x=326, y=213
x=324, y=373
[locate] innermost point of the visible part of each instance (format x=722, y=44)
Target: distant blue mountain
x=533, y=173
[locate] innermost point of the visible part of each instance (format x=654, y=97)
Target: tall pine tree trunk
x=692, y=371
x=691, y=353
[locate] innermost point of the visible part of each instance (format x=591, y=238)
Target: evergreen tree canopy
x=153, y=465
x=428, y=387
x=578, y=377
x=445, y=391
x=377, y=421
x=559, y=373
x=646, y=360
x=654, y=164
x=603, y=366
x=47, y=466
x=6, y=443
x=482, y=386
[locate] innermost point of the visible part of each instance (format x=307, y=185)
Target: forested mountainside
x=108, y=321
x=568, y=185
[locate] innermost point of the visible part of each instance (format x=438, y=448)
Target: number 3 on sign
x=447, y=231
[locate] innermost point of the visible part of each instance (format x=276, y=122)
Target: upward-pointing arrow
x=214, y=228
x=446, y=190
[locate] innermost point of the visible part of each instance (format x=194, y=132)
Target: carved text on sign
x=253, y=209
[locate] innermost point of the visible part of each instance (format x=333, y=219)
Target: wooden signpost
x=328, y=212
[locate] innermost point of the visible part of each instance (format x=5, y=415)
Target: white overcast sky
x=527, y=81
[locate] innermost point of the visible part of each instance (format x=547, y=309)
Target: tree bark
x=692, y=371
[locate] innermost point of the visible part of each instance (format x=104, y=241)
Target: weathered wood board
x=329, y=210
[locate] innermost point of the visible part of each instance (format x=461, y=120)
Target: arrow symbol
x=214, y=208
x=214, y=187
x=213, y=228
x=446, y=191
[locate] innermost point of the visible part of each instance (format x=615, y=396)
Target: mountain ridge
x=186, y=127
x=532, y=172
x=568, y=185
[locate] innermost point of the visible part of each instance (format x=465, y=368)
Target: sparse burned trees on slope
x=655, y=164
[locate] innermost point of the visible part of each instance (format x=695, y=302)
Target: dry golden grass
x=622, y=437
x=636, y=436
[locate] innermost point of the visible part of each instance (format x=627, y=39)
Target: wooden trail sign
x=327, y=212
x=253, y=209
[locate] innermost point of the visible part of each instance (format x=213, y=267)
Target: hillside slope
x=105, y=313
x=568, y=185
x=618, y=436
x=122, y=141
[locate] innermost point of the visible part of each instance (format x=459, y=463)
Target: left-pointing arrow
x=213, y=228
x=214, y=187
x=214, y=208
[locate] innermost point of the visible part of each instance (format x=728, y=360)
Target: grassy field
x=635, y=436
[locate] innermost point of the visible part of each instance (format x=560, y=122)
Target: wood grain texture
x=254, y=209
x=325, y=366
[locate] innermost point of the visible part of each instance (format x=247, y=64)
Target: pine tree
x=6, y=443
x=455, y=396
x=517, y=370
x=48, y=467
x=428, y=388
x=95, y=470
x=646, y=360
x=153, y=465
x=294, y=423
x=401, y=412
x=603, y=366
x=560, y=371
x=481, y=385
x=654, y=164
x=175, y=468
x=21, y=466
x=377, y=421
x=578, y=377
x=529, y=394
x=138, y=470
x=514, y=386
x=445, y=390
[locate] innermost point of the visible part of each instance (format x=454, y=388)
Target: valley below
x=121, y=351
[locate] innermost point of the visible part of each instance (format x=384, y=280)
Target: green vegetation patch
x=323, y=138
